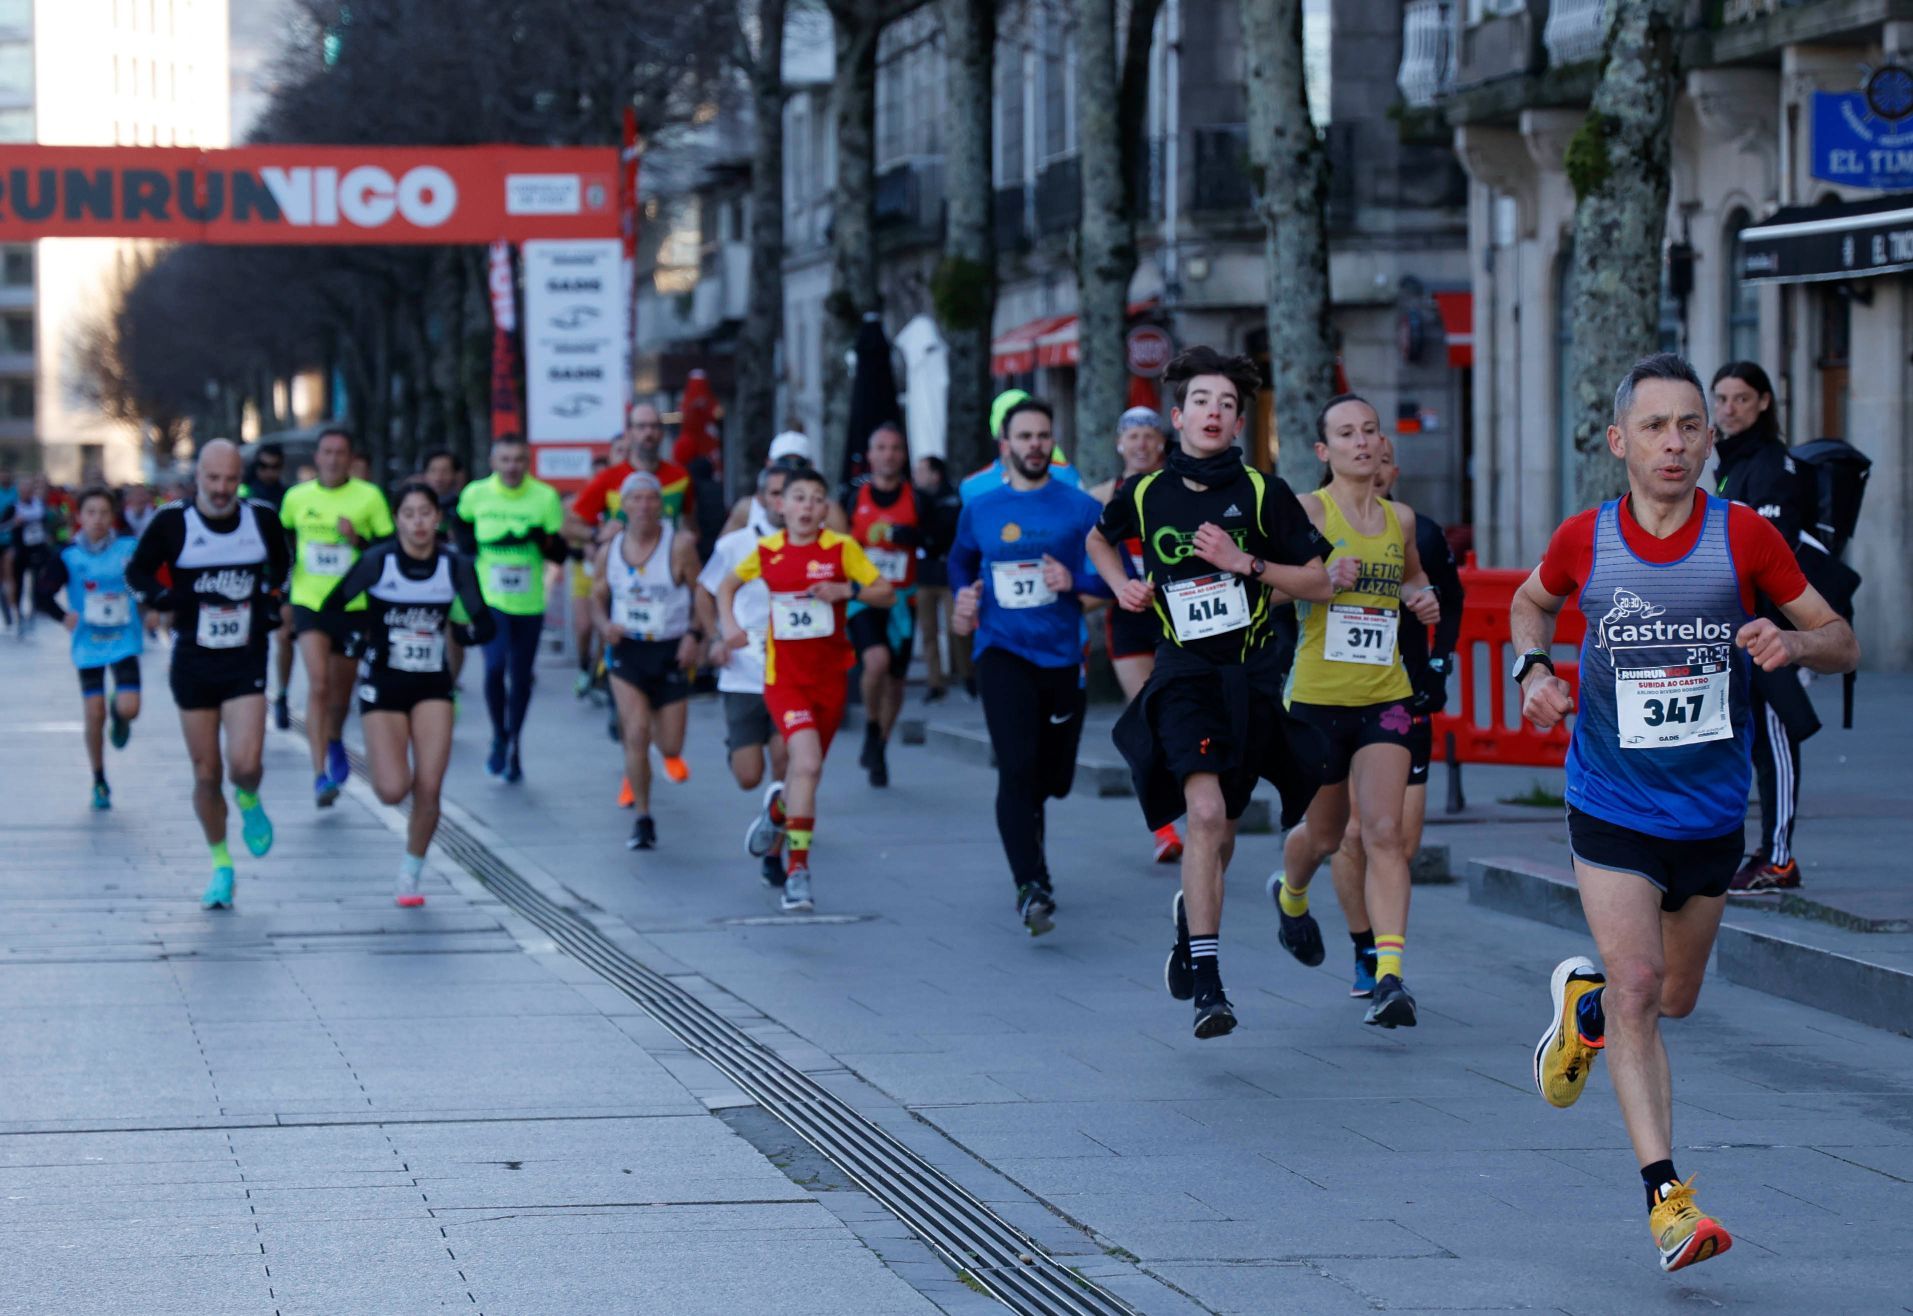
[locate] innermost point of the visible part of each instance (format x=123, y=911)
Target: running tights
x=1035, y=717
x=512, y=651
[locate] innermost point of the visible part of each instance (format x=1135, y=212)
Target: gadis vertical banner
x=628, y=231
x=508, y=410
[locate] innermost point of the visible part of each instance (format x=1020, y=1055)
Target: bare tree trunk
x=753, y=418
x=853, y=236
x=1290, y=172
x=964, y=286
x=1618, y=163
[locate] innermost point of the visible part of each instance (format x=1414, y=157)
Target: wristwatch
x=1528, y=660
x=1256, y=567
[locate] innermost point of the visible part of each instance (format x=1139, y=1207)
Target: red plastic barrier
x=1484, y=715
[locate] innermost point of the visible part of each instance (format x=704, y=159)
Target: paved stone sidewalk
x=1306, y=1163
x=321, y=1103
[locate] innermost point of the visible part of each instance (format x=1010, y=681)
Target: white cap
x=790, y=444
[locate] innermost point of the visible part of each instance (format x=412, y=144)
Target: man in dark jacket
x=1756, y=469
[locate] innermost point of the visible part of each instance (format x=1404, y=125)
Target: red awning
x=1050, y=340
x=1458, y=323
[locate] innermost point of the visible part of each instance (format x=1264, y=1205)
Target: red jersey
x=808, y=641
x=1762, y=560
x=875, y=525
x=599, y=498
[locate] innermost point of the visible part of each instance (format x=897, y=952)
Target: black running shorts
x=348, y=641
x=125, y=678
x=870, y=627
x=1681, y=869
x=1421, y=746
x=1351, y=728
x=210, y=688
x=651, y=667
x=400, y=692
x=1131, y=634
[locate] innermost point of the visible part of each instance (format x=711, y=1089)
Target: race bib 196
x=1020, y=584
x=1360, y=635
x=1663, y=707
x=417, y=651
x=1207, y=605
x=800, y=617
x=511, y=578
x=226, y=626
x=893, y=564
x=106, y=608
x=639, y=617
x=328, y=559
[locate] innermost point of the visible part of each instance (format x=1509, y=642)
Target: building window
x=18, y=396
x=16, y=266
x=1832, y=359
x=1009, y=117
x=19, y=333
x=1059, y=91
x=1743, y=298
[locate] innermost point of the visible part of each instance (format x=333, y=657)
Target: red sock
x=799, y=841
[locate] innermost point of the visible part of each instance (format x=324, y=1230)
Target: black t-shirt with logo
x=1259, y=512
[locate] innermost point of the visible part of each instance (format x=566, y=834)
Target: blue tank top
x=1662, y=738
x=97, y=593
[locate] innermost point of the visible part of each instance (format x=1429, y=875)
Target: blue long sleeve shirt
x=1001, y=539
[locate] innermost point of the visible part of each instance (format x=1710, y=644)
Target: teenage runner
x=1130, y=637
x=1222, y=546
x=748, y=733
x=410, y=585
x=1428, y=674
x=510, y=522
x=1349, y=683
x=329, y=520
x=99, y=614
x=879, y=510
x=1660, y=763
x=642, y=603
x=1016, y=568
x=226, y=560
x=811, y=572
x=268, y=486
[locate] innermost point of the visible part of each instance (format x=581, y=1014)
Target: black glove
x=1431, y=693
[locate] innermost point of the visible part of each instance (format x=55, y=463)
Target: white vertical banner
x=575, y=341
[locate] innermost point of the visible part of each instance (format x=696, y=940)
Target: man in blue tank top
x=1660, y=761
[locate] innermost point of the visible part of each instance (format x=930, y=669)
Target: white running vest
x=645, y=600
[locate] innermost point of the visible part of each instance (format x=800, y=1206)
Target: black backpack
x=1833, y=478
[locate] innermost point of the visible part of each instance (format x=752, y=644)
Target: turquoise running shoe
x=256, y=829
x=102, y=796
x=118, y=729
x=219, y=890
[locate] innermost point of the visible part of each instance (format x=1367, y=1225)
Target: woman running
x=641, y=599
x=412, y=585
x=99, y=612
x=1349, y=683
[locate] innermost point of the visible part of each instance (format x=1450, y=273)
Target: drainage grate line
x=961, y=1229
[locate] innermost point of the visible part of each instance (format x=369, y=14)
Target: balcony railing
x=910, y=193
x=1429, y=32
x=1574, y=31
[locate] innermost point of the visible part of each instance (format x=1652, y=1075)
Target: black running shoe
x=1179, y=972
x=281, y=714
x=1036, y=907
x=772, y=870
x=1392, y=1006
x=644, y=834
x=1301, y=937
x=873, y=747
x=879, y=768
x=1214, y=1018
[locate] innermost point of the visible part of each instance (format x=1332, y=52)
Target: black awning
x=1838, y=240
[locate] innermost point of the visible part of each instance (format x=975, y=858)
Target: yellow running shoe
x=1563, y=1058
x=1682, y=1231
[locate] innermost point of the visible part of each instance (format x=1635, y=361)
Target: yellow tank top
x=1349, y=656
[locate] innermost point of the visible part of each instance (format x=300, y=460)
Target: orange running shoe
x=677, y=769
x=626, y=799
x=1168, y=844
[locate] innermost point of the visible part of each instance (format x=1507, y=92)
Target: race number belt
x=1361, y=635
x=800, y=617
x=1206, y=605
x=224, y=627
x=106, y=608
x=328, y=559
x=1020, y=584
x=893, y=564
x=1665, y=707
x=417, y=651
x=511, y=579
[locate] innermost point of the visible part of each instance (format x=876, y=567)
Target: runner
x=99, y=614
x=991, y=476
x=879, y=510
x=1349, y=683
x=597, y=502
x=9, y=499
x=1016, y=569
x=226, y=562
x=329, y=521
x=1130, y=637
x=510, y=523
x=748, y=733
x=1222, y=546
x=412, y=584
x=136, y=509
x=811, y=573
x=642, y=603
x=33, y=544
x=1428, y=674
x=1660, y=761
x=444, y=475
x=581, y=568
x=268, y=486
x=941, y=504
x=789, y=451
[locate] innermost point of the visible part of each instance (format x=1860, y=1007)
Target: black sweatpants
x=1777, y=769
x=1035, y=717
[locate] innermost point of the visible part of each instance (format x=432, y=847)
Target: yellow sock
x=1388, y=954
x=1294, y=903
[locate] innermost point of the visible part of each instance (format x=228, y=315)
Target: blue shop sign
x=1855, y=145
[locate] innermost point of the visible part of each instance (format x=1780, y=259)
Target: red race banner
x=310, y=195
x=508, y=408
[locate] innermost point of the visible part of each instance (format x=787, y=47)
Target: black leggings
x=1035, y=716
x=514, y=651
